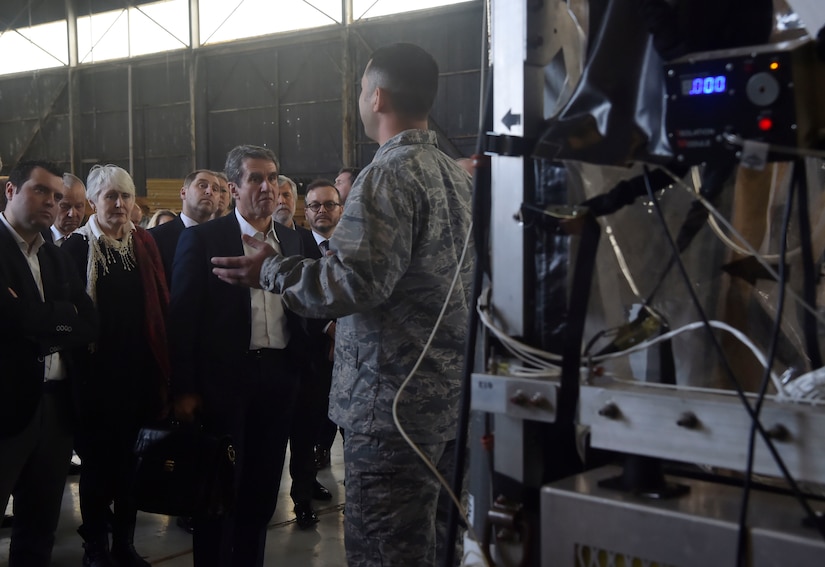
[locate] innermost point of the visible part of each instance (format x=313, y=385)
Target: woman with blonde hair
x=126, y=373
x=160, y=217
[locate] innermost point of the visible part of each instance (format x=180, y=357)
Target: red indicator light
x=765, y=124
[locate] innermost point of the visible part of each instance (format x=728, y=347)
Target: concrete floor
x=163, y=543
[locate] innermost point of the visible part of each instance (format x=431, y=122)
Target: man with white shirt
x=71, y=210
x=199, y=200
x=231, y=359
x=323, y=209
x=327, y=198
x=44, y=314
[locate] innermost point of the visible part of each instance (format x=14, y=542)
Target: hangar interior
x=164, y=114
x=643, y=378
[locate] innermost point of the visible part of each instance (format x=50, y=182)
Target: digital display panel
x=704, y=85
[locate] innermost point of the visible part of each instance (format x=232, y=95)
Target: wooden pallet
x=162, y=194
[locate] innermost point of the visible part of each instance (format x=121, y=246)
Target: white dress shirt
x=54, y=367
x=187, y=221
x=58, y=237
x=269, y=328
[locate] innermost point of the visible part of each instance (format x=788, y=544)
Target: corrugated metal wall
x=297, y=93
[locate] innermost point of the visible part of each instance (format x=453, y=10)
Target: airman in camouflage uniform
x=396, y=250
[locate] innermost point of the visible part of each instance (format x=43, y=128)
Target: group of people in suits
x=138, y=352
x=219, y=319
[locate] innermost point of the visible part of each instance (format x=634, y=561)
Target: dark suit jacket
x=166, y=237
x=48, y=236
x=31, y=328
x=210, y=320
x=310, y=247
x=317, y=343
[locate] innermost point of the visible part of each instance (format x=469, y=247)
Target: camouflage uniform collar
x=407, y=138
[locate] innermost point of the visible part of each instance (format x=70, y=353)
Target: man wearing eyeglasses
x=324, y=207
x=323, y=210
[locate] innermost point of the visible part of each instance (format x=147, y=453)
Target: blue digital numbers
x=704, y=85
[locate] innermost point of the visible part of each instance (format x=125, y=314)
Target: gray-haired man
x=397, y=248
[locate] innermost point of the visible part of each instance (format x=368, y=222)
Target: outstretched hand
x=244, y=270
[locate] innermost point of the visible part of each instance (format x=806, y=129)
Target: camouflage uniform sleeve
x=372, y=246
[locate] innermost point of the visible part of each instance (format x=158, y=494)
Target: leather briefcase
x=184, y=471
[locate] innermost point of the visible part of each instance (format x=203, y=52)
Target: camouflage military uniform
x=397, y=247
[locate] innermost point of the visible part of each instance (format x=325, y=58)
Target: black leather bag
x=183, y=470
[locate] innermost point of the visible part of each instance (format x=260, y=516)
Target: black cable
x=820, y=526
x=592, y=342
x=809, y=322
x=481, y=223
x=742, y=539
x=713, y=181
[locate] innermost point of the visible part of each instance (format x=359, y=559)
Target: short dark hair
x=353, y=171
x=191, y=177
x=21, y=172
x=235, y=157
x=410, y=76
x=323, y=183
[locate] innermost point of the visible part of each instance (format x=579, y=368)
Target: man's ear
x=183, y=193
x=381, y=100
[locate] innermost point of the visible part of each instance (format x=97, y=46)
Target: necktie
x=324, y=246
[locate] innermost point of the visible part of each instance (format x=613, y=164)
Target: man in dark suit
x=44, y=313
x=71, y=209
x=199, y=199
x=308, y=411
x=230, y=361
x=324, y=207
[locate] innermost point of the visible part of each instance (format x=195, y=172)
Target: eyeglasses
x=329, y=206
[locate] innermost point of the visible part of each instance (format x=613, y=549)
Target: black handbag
x=183, y=470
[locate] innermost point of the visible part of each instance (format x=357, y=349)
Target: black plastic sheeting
x=616, y=113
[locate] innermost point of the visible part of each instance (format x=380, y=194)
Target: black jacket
x=31, y=328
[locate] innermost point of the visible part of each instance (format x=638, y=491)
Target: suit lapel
x=18, y=271
x=233, y=236
x=230, y=244
x=47, y=273
x=289, y=240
